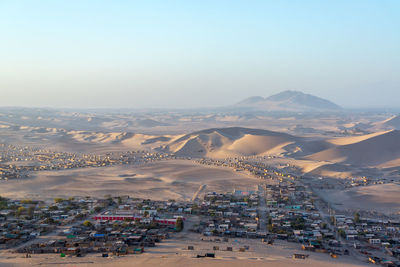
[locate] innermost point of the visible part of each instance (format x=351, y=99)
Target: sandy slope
x=173, y=252
x=258, y=144
x=330, y=170
x=353, y=139
x=173, y=179
x=59, y=139
x=234, y=141
x=384, y=198
x=370, y=151
x=390, y=123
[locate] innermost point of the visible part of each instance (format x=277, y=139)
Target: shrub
x=87, y=223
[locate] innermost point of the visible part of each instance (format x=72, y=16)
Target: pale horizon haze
x=189, y=54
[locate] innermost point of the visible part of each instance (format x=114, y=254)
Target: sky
x=189, y=54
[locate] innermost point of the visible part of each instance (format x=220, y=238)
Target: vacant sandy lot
x=172, y=179
x=173, y=252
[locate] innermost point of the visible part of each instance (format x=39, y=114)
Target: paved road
x=262, y=208
x=326, y=217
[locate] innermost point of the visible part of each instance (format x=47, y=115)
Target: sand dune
x=256, y=144
x=390, y=164
x=353, y=139
x=375, y=150
x=60, y=139
x=384, y=198
x=234, y=141
x=124, y=140
x=96, y=137
x=305, y=147
x=380, y=149
x=330, y=170
x=390, y=123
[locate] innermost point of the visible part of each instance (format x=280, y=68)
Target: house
x=374, y=241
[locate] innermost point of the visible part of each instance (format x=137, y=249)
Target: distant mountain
x=290, y=101
x=148, y=123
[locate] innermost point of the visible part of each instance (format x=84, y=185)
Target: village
x=18, y=162
x=281, y=209
x=85, y=225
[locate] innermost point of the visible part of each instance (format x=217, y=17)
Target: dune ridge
x=374, y=150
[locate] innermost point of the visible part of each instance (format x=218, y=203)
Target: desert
x=200, y=133
x=274, y=170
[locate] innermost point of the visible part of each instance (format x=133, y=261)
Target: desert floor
x=163, y=180
x=173, y=252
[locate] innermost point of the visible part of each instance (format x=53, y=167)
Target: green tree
x=342, y=233
x=98, y=209
x=31, y=210
x=179, y=224
x=20, y=211
x=87, y=223
x=356, y=217
x=270, y=227
x=49, y=221
x=58, y=200
x=298, y=224
x=3, y=203
x=53, y=208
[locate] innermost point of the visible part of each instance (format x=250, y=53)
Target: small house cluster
x=230, y=214
x=377, y=239
x=293, y=217
x=24, y=220
x=116, y=237
x=126, y=226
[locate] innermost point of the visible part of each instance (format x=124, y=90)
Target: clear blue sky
x=197, y=53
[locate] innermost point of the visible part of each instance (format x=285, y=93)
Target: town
x=281, y=209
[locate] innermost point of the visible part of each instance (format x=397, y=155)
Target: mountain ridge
x=291, y=101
